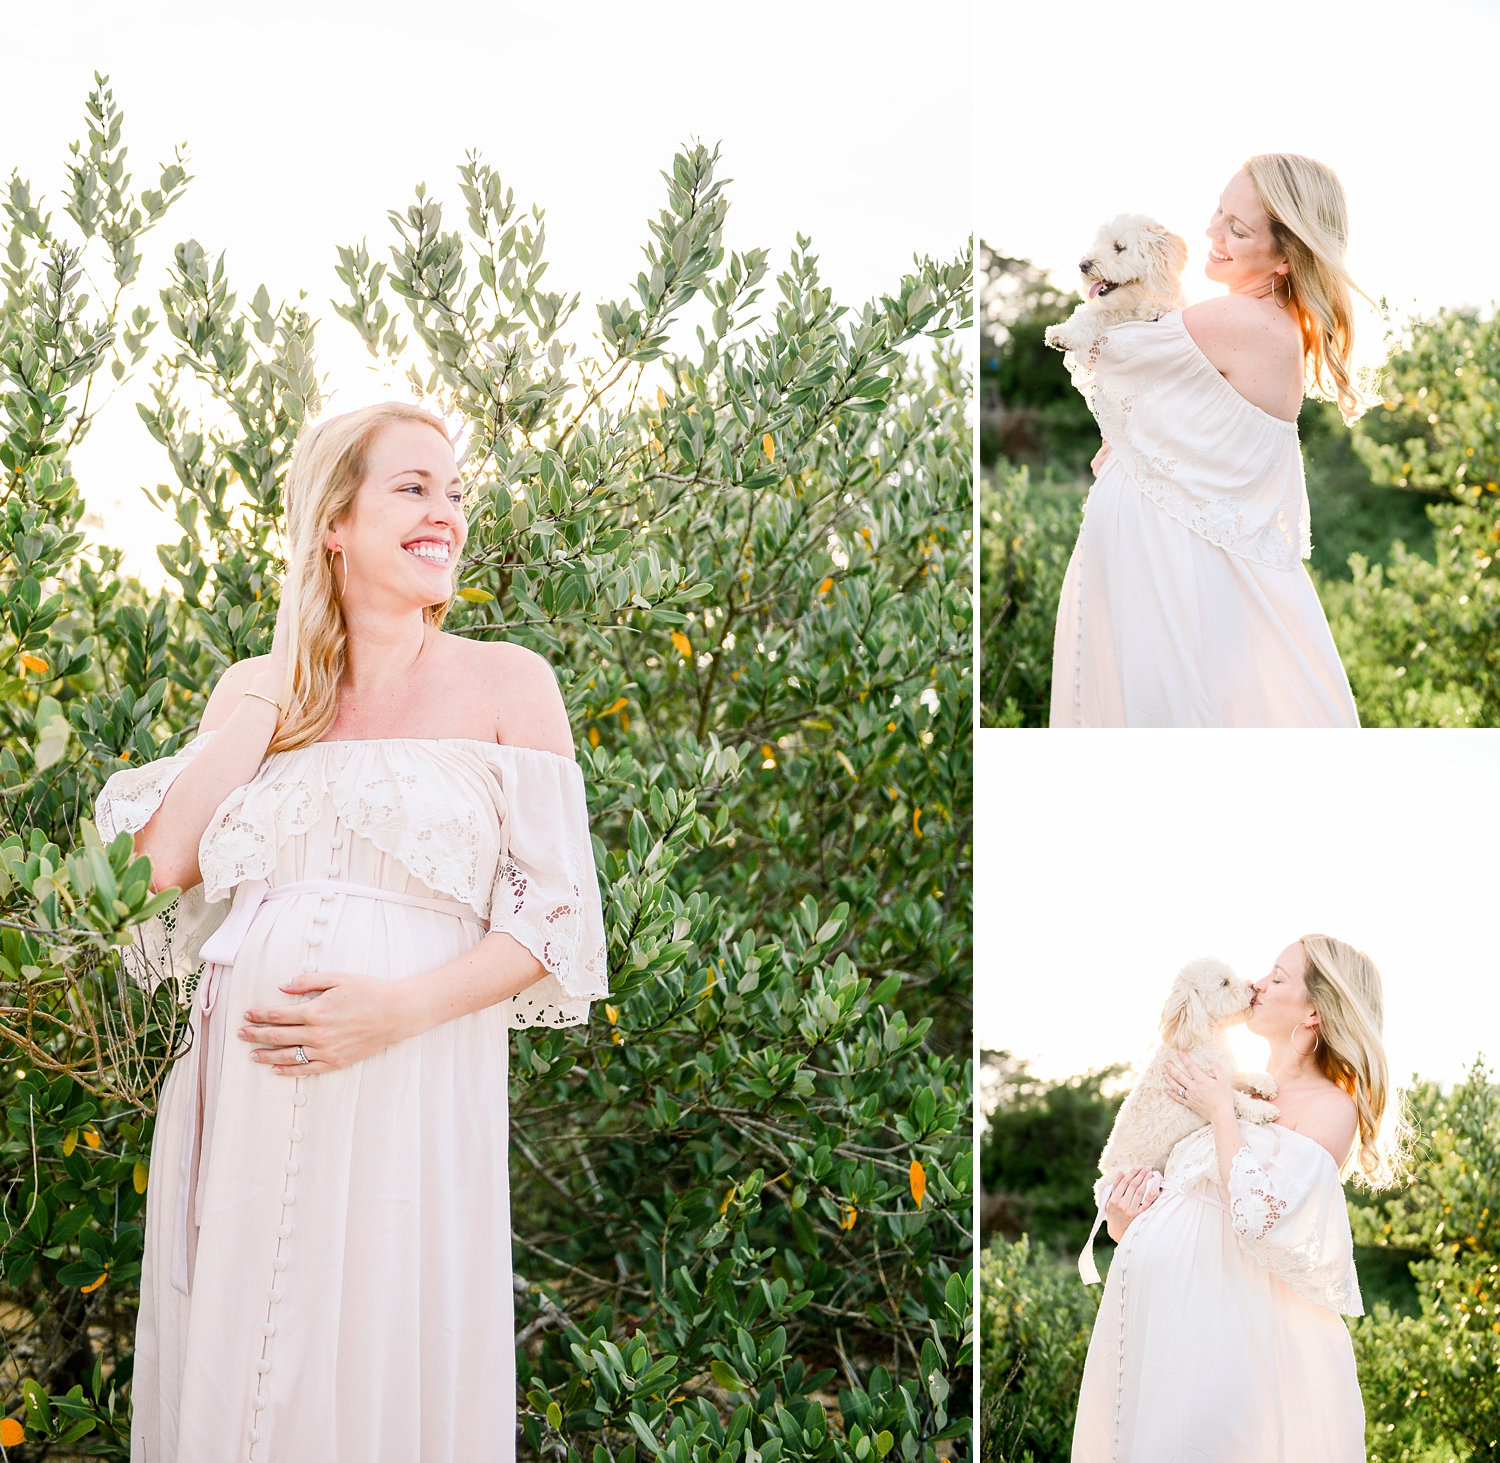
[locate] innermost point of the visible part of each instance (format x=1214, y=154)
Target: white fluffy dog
x=1206, y=999
x=1133, y=272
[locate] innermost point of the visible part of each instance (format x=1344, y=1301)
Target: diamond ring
x=302, y=1056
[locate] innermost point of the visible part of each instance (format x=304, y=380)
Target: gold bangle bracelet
x=259, y=697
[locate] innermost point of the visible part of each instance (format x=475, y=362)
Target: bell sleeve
x=1288, y=1211
x=546, y=890
x=166, y=946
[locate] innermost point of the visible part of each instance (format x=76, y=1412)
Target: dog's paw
x=1056, y=337
x=1255, y=1109
x=1258, y=1084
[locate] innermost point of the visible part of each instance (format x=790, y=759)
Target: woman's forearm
x=493, y=970
x=241, y=735
x=1228, y=1140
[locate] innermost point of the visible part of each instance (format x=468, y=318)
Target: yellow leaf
x=847, y=1215
x=683, y=644
x=848, y=765
x=138, y=1177
x=91, y=1137
x=918, y=1182
x=611, y=1014
x=476, y=596
x=613, y=706
x=733, y=1190
x=12, y=1433
x=84, y=1290
x=593, y=736
x=624, y=721
x=826, y=585
x=768, y=445
x=70, y=1141
x=33, y=662
x=661, y=398
x=915, y=814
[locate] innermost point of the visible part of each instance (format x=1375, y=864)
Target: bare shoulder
x=1238, y=327
x=1329, y=1117
x=522, y=689
x=231, y=685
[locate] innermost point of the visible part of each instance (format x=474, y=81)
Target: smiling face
x=1242, y=252
x=406, y=528
x=1280, y=1001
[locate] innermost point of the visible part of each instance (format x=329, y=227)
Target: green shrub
x=1027, y=529
x=746, y=1225
x=1431, y=1382
x=1035, y=1320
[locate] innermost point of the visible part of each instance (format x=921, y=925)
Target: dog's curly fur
x=1206, y=999
x=1132, y=272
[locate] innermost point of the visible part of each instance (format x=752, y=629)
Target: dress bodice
x=1206, y=456
x=503, y=829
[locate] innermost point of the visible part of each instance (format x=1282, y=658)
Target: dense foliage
x=1428, y=1257
x=1405, y=513
x=1431, y=1381
x=746, y=1226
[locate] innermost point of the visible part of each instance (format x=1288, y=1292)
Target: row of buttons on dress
x=292, y=1168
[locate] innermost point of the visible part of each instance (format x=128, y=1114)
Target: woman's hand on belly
x=1131, y=1196
x=350, y=1017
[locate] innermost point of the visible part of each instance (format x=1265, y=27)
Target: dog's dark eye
x=1119, y=248
x=1223, y=982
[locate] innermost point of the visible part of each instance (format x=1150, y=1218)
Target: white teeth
x=435, y=552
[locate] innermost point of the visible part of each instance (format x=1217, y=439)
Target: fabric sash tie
x=219, y=952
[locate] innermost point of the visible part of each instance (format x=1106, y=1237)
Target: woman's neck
x=1289, y=1066
x=383, y=649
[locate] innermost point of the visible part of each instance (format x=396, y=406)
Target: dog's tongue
x=1095, y=288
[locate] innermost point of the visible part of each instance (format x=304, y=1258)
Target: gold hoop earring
x=1304, y=1026
x=339, y=550
x=1280, y=304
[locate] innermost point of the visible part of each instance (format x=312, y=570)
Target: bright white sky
x=1094, y=110
x=1105, y=861
x=845, y=121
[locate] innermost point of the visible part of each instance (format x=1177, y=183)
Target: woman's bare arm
x=244, y=725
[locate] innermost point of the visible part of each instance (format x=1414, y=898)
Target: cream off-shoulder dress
x=327, y=1269
x=1186, y=602
x=1220, y=1336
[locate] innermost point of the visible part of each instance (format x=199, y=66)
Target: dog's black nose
x=1086, y=266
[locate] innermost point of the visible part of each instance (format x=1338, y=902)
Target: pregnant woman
x=1186, y=602
x=1220, y=1335
x=398, y=818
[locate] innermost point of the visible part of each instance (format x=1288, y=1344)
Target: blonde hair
x=1343, y=986
x=328, y=466
x=1310, y=225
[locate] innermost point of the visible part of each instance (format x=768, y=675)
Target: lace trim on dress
x=505, y=829
x=1320, y=1271
x=165, y=947
x=1218, y=517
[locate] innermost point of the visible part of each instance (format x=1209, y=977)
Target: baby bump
x=322, y=932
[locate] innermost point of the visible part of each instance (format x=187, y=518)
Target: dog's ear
x=1184, y=1019
x=1167, y=255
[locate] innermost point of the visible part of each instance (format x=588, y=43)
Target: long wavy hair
x=328, y=465
x=1343, y=986
x=1310, y=225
